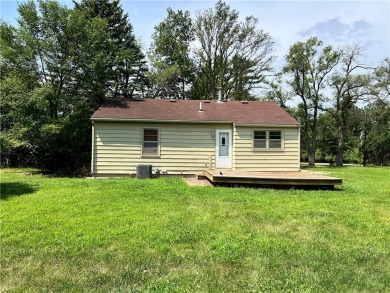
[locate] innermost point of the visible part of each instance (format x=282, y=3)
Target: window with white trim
x=150, y=142
x=274, y=140
x=267, y=140
x=259, y=139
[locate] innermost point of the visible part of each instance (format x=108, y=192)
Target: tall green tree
x=234, y=56
x=19, y=107
x=309, y=64
x=67, y=52
x=170, y=55
x=328, y=137
x=381, y=80
x=277, y=92
x=51, y=74
x=349, y=87
x=127, y=64
x=57, y=67
x=376, y=133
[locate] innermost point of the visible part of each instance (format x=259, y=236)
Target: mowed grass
x=159, y=235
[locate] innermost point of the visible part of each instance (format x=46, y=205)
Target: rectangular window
x=275, y=140
x=150, y=142
x=267, y=140
x=259, y=139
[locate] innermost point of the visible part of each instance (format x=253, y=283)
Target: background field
x=115, y=235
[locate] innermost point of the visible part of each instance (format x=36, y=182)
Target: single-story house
x=189, y=136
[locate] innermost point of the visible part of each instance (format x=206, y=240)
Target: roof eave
x=99, y=119
x=267, y=125
x=159, y=120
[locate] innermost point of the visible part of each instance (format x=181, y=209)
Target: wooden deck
x=272, y=178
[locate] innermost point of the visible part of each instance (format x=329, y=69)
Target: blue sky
x=334, y=22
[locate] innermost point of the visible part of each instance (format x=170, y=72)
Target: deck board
x=299, y=178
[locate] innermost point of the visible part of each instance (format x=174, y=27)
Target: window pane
x=150, y=135
x=259, y=144
x=259, y=135
x=275, y=135
x=223, y=144
x=150, y=148
x=150, y=138
x=275, y=144
x=150, y=142
x=224, y=151
x=150, y=131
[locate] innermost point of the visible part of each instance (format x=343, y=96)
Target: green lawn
x=120, y=235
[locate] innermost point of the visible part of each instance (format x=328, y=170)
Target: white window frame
x=142, y=142
x=281, y=140
x=267, y=140
x=253, y=139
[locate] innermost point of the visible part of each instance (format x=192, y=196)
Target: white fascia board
x=269, y=125
x=159, y=121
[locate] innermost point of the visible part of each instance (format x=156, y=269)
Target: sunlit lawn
x=119, y=235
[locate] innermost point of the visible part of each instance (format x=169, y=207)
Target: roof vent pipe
x=219, y=96
x=201, y=107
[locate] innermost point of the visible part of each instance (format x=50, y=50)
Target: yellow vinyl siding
x=184, y=148
x=247, y=159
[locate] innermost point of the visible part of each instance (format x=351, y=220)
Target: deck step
x=271, y=178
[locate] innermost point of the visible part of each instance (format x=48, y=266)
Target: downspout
x=233, y=148
x=93, y=150
x=299, y=149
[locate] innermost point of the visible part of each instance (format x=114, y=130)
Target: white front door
x=223, y=148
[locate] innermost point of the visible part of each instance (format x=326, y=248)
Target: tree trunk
x=313, y=143
x=364, y=139
x=53, y=109
x=311, y=157
x=364, y=156
x=340, y=145
x=309, y=149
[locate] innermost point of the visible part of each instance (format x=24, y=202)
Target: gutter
x=158, y=120
x=268, y=125
x=192, y=122
x=93, y=151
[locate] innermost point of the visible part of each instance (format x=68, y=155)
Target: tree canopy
x=56, y=70
x=308, y=66
x=233, y=56
x=126, y=62
x=174, y=69
x=59, y=64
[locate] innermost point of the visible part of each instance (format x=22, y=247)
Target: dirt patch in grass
x=197, y=182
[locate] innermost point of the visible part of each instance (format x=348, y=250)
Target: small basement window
x=267, y=140
x=150, y=142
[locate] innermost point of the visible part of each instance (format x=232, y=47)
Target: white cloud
x=337, y=30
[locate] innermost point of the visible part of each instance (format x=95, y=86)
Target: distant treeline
x=59, y=64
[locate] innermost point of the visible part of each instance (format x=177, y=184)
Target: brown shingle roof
x=262, y=112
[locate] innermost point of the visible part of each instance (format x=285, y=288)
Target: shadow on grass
x=280, y=187
x=11, y=189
